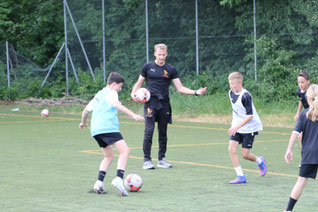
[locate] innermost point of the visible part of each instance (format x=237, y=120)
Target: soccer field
x=48, y=164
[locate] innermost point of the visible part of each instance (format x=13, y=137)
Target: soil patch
x=65, y=101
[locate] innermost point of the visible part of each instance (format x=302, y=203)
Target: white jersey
x=239, y=114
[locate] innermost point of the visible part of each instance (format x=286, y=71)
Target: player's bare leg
x=298, y=188
x=108, y=158
x=104, y=165
x=247, y=155
x=259, y=160
x=296, y=192
x=124, y=152
x=233, y=145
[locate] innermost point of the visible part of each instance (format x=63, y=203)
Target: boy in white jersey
x=245, y=125
x=105, y=130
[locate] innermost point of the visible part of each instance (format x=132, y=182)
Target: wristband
x=195, y=93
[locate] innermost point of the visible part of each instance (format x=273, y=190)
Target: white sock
x=258, y=160
x=239, y=171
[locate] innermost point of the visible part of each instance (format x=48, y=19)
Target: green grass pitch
x=48, y=164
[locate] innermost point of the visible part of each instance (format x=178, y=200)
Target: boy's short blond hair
x=236, y=76
x=161, y=46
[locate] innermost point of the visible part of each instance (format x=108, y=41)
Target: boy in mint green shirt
x=105, y=130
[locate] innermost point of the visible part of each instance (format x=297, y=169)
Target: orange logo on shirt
x=149, y=111
x=165, y=73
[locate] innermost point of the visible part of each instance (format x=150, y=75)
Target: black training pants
x=163, y=117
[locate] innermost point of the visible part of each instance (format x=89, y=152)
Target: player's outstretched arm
x=138, y=85
x=181, y=89
x=201, y=91
x=289, y=153
x=123, y=109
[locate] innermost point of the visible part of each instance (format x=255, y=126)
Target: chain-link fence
x=15, y=70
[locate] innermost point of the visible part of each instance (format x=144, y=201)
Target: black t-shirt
x=309, y=150
x=158, y=78
x=302, y=98
x=246, y=101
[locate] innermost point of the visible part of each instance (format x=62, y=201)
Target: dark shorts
x=245, y=139
x=106, y=139
x=308, y=170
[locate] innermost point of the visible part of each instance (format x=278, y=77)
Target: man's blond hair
x=236, y=76
x=161, y=46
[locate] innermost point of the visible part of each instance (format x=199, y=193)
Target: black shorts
x=106, y=139
x=308, y=170
x=245, y=139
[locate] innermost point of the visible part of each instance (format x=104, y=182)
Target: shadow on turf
x=92, y=191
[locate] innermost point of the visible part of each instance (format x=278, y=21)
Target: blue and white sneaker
x=238, y=180
x=99, y=187
x=262, y=167
x=119, y=184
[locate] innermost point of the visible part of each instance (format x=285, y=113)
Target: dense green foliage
x=286, y=43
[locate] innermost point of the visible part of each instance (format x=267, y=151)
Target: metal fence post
x=255, y=54
x=197, y=36
x=66, y=49
x=147, y=33
x=8, y=67
x=104, y=40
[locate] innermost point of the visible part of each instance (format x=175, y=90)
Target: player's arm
x=300, y=106
x=181, y=89
x=89, y=107
x=289, y=152
x=138, y=85
x=123, y=109
x=232, y=131
x=297, y=130
x=84, y=117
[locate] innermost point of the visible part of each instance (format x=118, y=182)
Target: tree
x=34, y=28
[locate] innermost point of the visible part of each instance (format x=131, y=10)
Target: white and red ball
x=133, y=182
x=45, y=113
x=143, y=95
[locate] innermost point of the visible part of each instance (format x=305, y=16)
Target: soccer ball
x=45, y=113
x=133, y=182
x=143, y=95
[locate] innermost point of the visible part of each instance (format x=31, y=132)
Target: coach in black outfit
x=158, y=75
